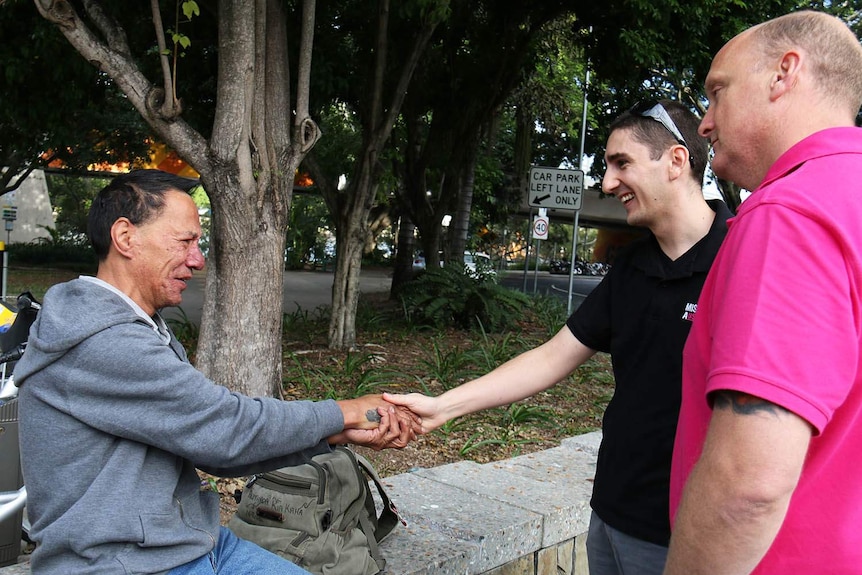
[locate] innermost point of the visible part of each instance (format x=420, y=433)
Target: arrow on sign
x=540, y=199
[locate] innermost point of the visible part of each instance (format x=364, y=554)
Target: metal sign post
x=540, y=232
x=559, y=189
x=572, y=264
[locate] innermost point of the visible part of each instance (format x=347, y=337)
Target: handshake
x=385, y=421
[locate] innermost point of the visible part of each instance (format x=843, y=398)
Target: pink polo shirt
x=780, y=317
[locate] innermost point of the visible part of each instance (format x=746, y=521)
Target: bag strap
x=389, y=517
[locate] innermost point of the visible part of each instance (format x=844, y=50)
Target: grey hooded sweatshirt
x=113, y=423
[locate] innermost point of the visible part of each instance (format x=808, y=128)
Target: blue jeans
x=235, y=556
x=610, y=552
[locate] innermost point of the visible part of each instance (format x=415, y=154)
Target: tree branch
x=306, y=132
x=125, y=73
x=163, y=52
x=114, y=35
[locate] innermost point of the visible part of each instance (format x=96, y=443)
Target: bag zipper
x=275, y=479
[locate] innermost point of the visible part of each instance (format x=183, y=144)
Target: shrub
x=450, y=297
x=60, y=255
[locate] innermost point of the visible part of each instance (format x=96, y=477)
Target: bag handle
x=389, y=517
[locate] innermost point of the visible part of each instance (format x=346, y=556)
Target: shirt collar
x=698, y=258
x=827, y=142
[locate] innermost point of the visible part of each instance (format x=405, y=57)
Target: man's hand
x=365, y=412
x=425, y=407
x=394, y=430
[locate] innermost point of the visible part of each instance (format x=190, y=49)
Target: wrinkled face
x=166, y=251
x=735, y=121
x=636, y=180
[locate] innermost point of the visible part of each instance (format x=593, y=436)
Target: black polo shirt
x=641, y=314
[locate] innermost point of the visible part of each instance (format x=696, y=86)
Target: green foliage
x=302, y=325
x=71, y=197
x=549, y=312
x=522, y=413
x=185, y=330
x=349, y=375
x=64, y=255
x=490, y=352
x=450, y=297
x=306, y=241
x=56, y=105
x=445, y=365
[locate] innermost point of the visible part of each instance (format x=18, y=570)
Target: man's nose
x=706, y=125
x=196, y=258
x=609, y=182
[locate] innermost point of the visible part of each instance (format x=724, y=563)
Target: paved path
x=302, y=290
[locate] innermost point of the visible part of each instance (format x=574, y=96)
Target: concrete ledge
x=526, y=515
x=522, y=516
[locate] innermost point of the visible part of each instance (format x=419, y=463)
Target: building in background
x=32, y=209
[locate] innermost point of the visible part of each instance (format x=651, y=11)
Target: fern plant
x=451, y=297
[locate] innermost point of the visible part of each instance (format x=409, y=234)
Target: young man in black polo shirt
x=640, y=314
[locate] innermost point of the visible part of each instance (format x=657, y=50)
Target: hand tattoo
x=372, y=415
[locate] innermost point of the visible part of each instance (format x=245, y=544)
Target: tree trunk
x=240, y=338
x=352, y=207
x=247, y=170
x=465, y=180
x=345, y=296
x=403, y=269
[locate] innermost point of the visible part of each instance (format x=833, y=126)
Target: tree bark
x=246, y=168
x=406, y=245
x=461, y=220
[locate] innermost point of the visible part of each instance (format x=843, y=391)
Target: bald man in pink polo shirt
x=767, y=469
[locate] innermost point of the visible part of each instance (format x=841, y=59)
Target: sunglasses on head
x=654, y=110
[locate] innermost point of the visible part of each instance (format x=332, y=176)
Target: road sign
x=540, y=228
x=555, y=188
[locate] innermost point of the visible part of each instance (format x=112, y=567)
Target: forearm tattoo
x=744, y=404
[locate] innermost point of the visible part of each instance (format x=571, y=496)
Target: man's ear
x=678, y=160
x=123, y=236
x=786, y=74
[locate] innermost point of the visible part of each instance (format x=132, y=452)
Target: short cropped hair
x=658, y=139
x=836, y=55
x=138, y=196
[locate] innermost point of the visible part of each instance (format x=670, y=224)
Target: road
x=302, y=290
x=548, y=284
x=307, y=290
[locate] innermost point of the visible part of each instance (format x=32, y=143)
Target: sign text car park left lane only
x=555, y=188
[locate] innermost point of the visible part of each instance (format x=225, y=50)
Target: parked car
x=478, y=264
x=419, y=261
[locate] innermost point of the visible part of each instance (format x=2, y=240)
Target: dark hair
x=138, y=196
x=658, y=139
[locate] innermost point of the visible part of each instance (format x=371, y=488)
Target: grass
x=35, y=280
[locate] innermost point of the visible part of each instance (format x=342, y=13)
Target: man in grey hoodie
x=114, y=420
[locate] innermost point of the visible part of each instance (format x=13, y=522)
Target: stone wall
x=526, y=515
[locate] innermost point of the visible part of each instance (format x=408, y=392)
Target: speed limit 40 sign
x=540, y=228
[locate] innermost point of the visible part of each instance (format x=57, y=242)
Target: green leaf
x=190, y=8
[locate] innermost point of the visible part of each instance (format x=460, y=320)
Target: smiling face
x=635, y=179
x=164, y=252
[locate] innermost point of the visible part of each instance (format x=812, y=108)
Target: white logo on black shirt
x=690, y=310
